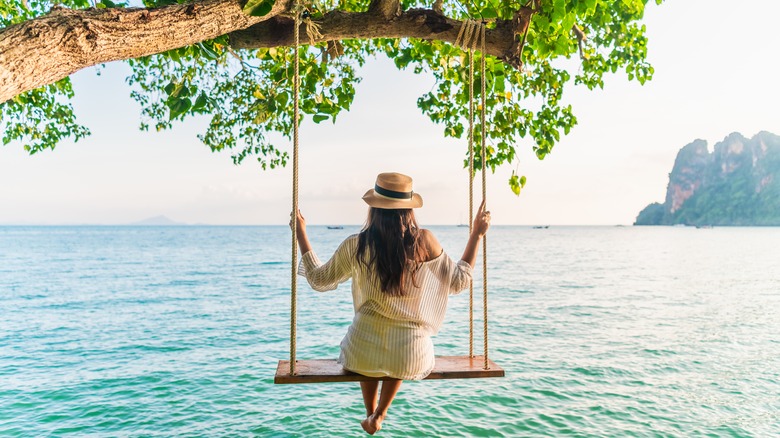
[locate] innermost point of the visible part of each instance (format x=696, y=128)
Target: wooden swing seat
x=327, y=370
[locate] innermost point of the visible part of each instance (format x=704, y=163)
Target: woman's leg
x=370, y=392
x=389, y=390
x=373, y=423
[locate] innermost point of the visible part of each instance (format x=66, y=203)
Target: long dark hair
x=390, y=245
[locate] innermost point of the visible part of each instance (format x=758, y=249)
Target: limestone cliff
x=737, y=184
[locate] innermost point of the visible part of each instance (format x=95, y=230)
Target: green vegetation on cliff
x=737, y=184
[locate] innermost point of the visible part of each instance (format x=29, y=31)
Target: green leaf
x=180, y=91
x=179, y=107
x=207, y=51
x=562, y=45
x=200, y=102
x=282, y=99
x=258, y=8
x=320, y=118
x=489, y=13
x=514, y=184
x=591, y=6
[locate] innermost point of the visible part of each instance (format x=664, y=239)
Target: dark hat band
x=392, y=193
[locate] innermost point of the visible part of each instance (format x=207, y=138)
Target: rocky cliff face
x=687, y=174
x=737, y=184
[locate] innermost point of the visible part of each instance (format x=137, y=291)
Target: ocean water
x=602, y=331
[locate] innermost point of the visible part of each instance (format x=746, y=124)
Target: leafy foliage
x=40, y=120
x=246, y=95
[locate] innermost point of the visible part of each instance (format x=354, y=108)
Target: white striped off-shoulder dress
x=390, y=336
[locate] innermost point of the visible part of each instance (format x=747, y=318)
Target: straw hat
x=393, y=190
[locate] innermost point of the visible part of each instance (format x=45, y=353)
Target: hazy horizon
x=177, y=223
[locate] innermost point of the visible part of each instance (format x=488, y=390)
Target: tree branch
x=46, y=49
x=427, y=24
x=581, y=38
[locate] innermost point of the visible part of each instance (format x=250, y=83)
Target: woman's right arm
x=325, y=277
x=478, y=229
x=321, y=277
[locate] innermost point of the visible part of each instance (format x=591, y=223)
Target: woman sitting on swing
x=401, y=280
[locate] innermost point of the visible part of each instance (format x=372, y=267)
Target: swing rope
x=484, y=198
x=471, y=192
x=294, y=214
x=470, y=33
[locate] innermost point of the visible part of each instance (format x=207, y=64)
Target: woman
x=401, y=280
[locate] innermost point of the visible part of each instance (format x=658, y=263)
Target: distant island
x=157, y=220
x=737, y=184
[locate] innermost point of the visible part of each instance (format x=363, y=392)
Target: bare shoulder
x=431, y=244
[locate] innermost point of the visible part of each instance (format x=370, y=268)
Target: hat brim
x=376, y=200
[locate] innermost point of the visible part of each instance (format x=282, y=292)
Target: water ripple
x=142, y=331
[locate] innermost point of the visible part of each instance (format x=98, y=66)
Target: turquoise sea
x=176, y=331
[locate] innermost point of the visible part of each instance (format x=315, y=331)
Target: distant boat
x=541, y=227
x=704, y=226
x=335, y=227
x=461, y=222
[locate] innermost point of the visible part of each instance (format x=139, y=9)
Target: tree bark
x=48, y=48
x=426, y=24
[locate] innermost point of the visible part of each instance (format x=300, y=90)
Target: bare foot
x=364, y=424
x=372, y=424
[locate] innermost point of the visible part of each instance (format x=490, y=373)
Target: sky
x=716, y=71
